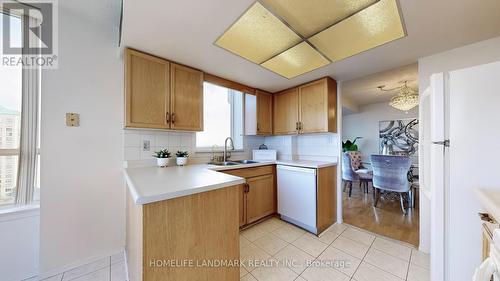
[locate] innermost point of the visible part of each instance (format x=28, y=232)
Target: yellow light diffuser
x=311, y=16
x=258, y=35
x=372, y=27
x=296, y=61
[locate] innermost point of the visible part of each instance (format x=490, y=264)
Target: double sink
x=232, y=163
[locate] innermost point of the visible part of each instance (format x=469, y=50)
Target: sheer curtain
x=28, y=148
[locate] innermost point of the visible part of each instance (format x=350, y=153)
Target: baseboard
x=79, y=263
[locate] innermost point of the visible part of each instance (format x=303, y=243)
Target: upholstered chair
x=390, y=173
x=349, y=174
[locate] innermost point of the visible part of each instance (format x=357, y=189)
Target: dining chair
x=390, y=173
x=349, y=175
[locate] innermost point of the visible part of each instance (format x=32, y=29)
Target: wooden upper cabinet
x=147, y=89
x=261, y=197
x=186, y=98
x=264, y=113
x=258, y=113
x=162, y=95
x=312, y=105
x=317, y=105
x=286, y=112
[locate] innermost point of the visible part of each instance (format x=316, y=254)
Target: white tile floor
x=343, y=252
x=278, y=251
x=111, y=268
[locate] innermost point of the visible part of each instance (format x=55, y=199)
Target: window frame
x=17, y=151
x=201, y=149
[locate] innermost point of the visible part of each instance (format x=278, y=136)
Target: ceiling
x=105, y=12
x=185, y=31
x=363, y=91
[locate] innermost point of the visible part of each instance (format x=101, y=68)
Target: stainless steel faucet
x=225, y=147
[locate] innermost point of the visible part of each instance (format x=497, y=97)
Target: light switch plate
x=72, y=119
x=146, y=145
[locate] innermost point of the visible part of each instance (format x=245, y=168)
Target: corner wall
x=82, y=212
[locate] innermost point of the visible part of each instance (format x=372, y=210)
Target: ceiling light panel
x=295, y=61
x=258, y=35
x=311, y=16
x=371, y=27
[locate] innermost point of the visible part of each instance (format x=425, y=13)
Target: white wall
x=19, y=246
x=475, y=54
x=365, y=124
x=82, y=187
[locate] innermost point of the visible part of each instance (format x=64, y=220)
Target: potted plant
x=350, y=145
x=162, y=157
x=182, y=157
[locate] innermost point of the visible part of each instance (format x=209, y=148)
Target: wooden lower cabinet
x=257, y=199
x=242, y=204
x=326, y=194
x=162, y=236
x=260, y=198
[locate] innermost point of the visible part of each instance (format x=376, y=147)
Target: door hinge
x=446, y=143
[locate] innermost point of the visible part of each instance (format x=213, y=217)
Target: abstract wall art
x=399, y=137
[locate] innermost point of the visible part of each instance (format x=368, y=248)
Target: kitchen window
x=19, y=122
x=222, y=118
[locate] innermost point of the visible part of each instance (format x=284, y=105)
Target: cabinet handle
x=247, y=187
x=258, y=127
x=167, y=117
x=300, y=125
x=296, y=126
x=173, y=118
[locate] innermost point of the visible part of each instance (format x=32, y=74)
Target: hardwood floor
x=386, y=219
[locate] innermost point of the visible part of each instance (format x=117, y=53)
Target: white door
x=434, y=171
x=474, y=133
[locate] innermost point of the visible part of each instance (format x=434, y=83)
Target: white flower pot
x=181, y=161
x=162, y=162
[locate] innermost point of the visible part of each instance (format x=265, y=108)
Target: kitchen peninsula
x=181, y=217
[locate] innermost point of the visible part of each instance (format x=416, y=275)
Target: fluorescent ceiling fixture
x=296, y=61
x=308, y=17
x=292, y=37
x=372, y=27
x=258, y=35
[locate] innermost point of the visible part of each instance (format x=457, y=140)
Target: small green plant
x=164, y=153
x=350, y=145
x=182, y=154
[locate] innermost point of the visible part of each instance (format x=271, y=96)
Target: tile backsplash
x=320, y=147
x=173, y=141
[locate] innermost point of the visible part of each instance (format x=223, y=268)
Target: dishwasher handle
x=296, y=169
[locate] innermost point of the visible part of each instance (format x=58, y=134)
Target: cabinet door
x=147, y=88
x=186, y=98
x=313, y=100
x=286, y=112
x=242, y=204
x=264, y=113
x=261, y=197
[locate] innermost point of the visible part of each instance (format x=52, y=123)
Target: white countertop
x=306, y=163
x=152, y=184
x=490, y=199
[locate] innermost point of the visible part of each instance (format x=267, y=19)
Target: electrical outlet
x=72, y=119
x=146, y=145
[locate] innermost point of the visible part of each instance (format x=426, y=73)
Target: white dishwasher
x=297, y=196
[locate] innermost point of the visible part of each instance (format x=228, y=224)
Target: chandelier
x=405, y=100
